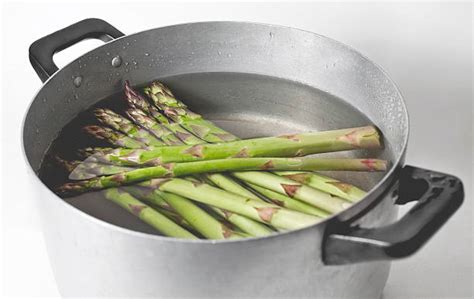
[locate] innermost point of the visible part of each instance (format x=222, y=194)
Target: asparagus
x=114, y=137
x=89, y=170
x=121, y=124
x=230, y=185
x=288, y=202
x=164, y=98
x=159, y=204
x=89, y=151
x=281, y=146
x=158, y=130
x=260, y=211
x=136, y=101
x=200, y=220
x=140, y=116
x=147, y=214
x=182, y=169
x=250, y=226
x=326, y=184
x=165, y=101
x=294, y=189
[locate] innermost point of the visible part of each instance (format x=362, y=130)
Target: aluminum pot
x=252, y=79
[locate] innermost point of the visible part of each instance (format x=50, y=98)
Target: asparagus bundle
x=166, y=140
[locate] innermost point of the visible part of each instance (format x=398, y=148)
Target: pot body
x=91, y=258
x=239, y=74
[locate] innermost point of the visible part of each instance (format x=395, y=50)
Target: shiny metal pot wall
x=252, y=79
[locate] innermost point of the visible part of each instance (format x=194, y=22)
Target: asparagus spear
x=165, y=101
x=114, y=137
x=294, y=189
x=230, y=185
x=260, y=211
x=147, y=214
x=288, y=202
x=182, y=169
x=281, y=146
x=326, y=184
x=121, y=124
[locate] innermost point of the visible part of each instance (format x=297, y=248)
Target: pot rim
x=386, y=178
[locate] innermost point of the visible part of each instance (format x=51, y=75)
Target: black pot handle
x=439, y=195
x=43, y=50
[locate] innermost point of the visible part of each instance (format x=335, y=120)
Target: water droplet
x=37, y=131
x=134, y=62
x=147, y=54
x=77, y=81
x=108, y=54
x=229, y=55
x=192, y=52
x=128, y=44
x=219, y=53
x=116, y=61
x=44, y=100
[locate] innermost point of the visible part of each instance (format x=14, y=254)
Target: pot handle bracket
x=41, y=52
x=438, y=196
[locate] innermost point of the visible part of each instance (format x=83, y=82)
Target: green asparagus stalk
x=260, y=211
x=288, y=202
x=165, y=101
x=281, y=146
x=230, y=185
x=114, y=137
x=294, y=190
x=222, y=165
x=121, y=124
x=326, y=184
x=147, y=214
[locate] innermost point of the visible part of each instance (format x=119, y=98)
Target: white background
x=426, y=48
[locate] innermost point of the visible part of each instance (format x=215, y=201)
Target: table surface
x=426, y=49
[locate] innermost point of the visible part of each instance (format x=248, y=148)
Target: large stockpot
x=237, y=74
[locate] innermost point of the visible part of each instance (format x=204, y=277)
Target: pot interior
x=247, y=105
